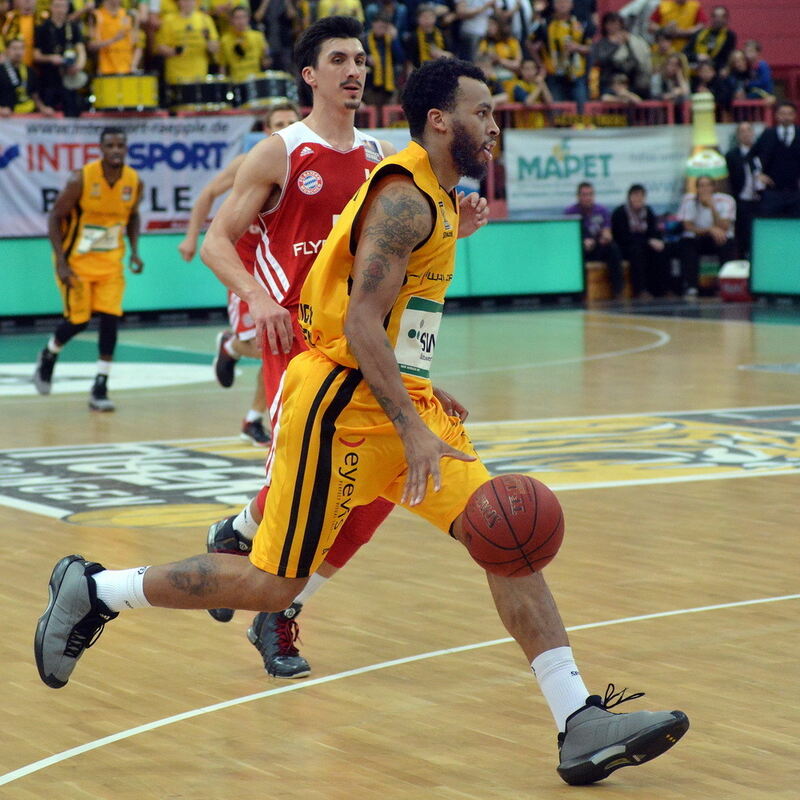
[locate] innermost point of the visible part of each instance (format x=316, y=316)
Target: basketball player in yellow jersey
x=360, y=420
x=86, y=225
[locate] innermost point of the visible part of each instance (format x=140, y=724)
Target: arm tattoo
x=404, y=222
x=376, y=270
x=196, y=576
x=395, y=414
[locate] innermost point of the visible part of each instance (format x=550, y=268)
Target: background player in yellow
x=360, y=420
x=99, y=203
x=243, y=51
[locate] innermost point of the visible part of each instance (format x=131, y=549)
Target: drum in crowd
x=265, y=89
x=212, y=93
x=133, y=92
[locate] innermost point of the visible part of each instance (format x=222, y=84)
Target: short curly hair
x=434, y=85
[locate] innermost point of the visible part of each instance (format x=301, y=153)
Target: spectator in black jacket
x=743, y=177
x=634, y=228
x=778, y=148
x=715, y=41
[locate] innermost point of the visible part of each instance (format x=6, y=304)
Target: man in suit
x=778, y=148
x=743, y=176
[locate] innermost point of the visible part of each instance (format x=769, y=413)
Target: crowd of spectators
x=534, y=51
x=714, y=219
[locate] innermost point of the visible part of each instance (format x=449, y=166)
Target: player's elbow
x=207, y=249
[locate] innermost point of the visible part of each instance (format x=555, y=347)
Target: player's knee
x=273, y=593
x=66, y=330
x=247, y=348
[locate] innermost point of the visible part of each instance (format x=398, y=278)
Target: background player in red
x=241, y=339
x=297, y=182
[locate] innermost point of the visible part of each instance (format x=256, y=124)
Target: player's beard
x=464, y=152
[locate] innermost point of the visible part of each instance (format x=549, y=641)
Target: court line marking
x=213, y=440
x=36, y=766
x=662, y=339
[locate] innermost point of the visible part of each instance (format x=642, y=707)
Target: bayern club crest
x=310, y=182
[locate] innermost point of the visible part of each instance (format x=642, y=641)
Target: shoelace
x=613, y=698
x=288, y=633
x=84, y=635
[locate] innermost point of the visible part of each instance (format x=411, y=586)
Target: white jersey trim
x=298, y=134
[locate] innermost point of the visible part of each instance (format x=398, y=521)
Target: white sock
x=315, y=582
x=121, y=588
x=228, y=348
x=253, y=415
x=53, y=346
x=560, y=682
x=103, y=367
x=245, y=524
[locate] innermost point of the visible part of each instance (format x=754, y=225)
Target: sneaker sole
x=304, y=673
x=247, y=438
x=56, y=579
x=220, y=340
x=643, y=747
x=218, y=614
x=104, y=409
x=41, y=387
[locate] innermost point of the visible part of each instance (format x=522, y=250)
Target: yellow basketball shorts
x=90, y=294
x=336, y=449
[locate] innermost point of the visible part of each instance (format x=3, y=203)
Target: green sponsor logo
x=563, y=164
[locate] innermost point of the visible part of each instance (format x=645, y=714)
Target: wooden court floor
x=674, y=446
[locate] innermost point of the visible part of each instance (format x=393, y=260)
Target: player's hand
x=424, y=450
x=136, y=265
x=273, y=323
x=187, y=249
x=474, y=213
x=65, y=274
x=450, y=405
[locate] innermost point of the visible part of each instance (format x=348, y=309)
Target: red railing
x=541, y=115
x=740, y=111
x=156, y=112
x=648, y=112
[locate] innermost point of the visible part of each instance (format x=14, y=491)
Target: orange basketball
x=513, y=525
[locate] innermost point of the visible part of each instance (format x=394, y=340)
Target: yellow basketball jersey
x=413, y=322
x=93, y=237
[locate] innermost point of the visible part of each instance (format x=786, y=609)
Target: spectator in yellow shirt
x=243, y=51
x=186, y=40
x=340, y=8
x=20, y=23
x=504, y=50
x=115, y=39
x=679, y=20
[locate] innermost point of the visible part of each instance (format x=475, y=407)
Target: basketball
x=513, y=525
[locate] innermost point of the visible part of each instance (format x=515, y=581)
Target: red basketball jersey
x=247, y=243
x=319, y=182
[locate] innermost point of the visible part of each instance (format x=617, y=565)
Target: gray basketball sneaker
x=597, y=742
x=224, y=538
x=274, y=635
x=98, y=397
x=43, y=374
x=73, y=620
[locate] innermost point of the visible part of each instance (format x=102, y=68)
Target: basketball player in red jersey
x=241, y=339
x=296, y=183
